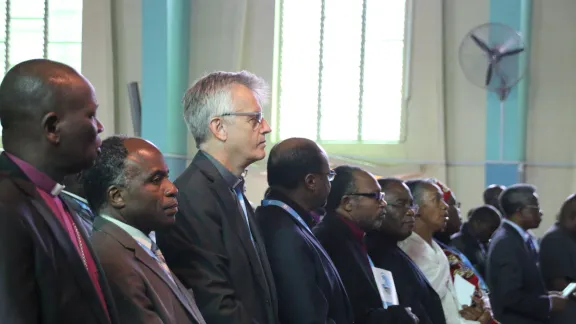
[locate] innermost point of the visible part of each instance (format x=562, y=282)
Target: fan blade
x=512, y=52
x=489, y=74
x=481, y=44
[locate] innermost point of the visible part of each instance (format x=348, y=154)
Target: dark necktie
x=238, y=190
x=532, y=250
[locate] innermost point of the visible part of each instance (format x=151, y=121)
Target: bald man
x=308, y=285
x=48, y=271
x=129, y=189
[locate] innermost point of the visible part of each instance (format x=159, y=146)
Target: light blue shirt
x=524, y=234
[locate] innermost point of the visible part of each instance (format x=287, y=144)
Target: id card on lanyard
x=385, y=284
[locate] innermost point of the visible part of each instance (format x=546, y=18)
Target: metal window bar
x=46, y=16
x=320, y=70
x=361, y=83
x=278, y=111
x=7, y=38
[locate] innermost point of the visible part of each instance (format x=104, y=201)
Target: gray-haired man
x=216, y=248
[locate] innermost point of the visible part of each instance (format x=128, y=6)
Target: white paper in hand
x=569, y=289
x=464, y=290
x=386, y=286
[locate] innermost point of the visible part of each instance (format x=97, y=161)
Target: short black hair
x=342, y=185
x=516, y=197
x=485, y=214
x=492, y=193
x=109, y=169
x=287, y=167
x=568, y=210
x=31, y=89
x=386, y=183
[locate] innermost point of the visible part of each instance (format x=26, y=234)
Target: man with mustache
x=412, y=287
x=128, y=188
x=48, y=272
x=355, y=205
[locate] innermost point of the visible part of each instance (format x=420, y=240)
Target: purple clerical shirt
x=49, y=190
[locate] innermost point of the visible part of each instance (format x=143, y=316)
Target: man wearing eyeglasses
x=517, y=291
x=308, y=284
x=356, y=205
x=413, y=288
x=215, y=247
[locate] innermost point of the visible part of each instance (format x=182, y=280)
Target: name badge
x=386, y=287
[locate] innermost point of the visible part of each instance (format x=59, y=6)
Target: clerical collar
x=38, y=178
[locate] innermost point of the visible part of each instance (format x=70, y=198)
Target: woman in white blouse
x=429, y=256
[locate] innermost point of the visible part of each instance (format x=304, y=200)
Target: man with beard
x=412, y=287
x=355, y=205
x=308, y=285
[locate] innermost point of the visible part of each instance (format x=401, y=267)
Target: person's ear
x=116, y=197
x=51, y=126
x=217, y=127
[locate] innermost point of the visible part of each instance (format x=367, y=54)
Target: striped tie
x=161, y=260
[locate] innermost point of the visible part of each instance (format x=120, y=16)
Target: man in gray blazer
x=129, y=190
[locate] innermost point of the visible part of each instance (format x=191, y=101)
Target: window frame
x=365, y=148
x=5, y=39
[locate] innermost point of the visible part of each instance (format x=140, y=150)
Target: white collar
x=75, y=196
x=135, y=233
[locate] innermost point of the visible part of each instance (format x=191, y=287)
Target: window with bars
x=339, y=74
x=40, y=29
x=32, y=29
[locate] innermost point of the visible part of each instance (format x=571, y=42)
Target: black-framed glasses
x=258, y=117
x=374, y=195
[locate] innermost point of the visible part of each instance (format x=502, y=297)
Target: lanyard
x=288, y=209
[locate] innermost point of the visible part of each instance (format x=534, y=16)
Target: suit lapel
x=221, y=191
x=63, y=240
x=146, y=259
x=101, y=277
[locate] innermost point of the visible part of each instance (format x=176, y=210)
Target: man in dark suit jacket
x=129, y=189
x=517, y=292
x=216, y=247
x=48, y=271
x=356, y=204
x=558, y=256
x=475, y=235
x=309, y=287
x=412, y=287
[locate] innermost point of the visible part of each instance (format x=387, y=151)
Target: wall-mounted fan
x=492, y=57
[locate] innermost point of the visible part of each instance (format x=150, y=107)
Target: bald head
x=33, y=88
x=292, y=159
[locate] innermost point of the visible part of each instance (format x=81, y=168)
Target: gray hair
x=211, y=96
